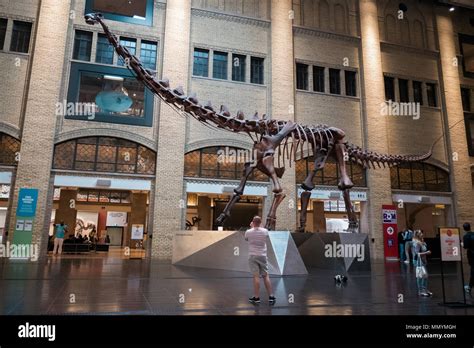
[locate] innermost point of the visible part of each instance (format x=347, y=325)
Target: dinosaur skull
x=93, y=18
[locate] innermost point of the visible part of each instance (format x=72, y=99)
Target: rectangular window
x=403, y=90
x=82, y=45
x=256, y=71
x=3, y=31
x=301, y=76
x=389, y=88
x=238, y=67
x=470, y=133
x=417, y=92
x=351, y=83
x=105, y=51
x=201, y=62
x=431, y=92
x=113, y=94
x=148, y=54
x=466, y=45
x=318, y=79
x=334, y=81
x=219, y=65
x=131, y=44
x=21, y=37
x=466, y=99
x=135, y=12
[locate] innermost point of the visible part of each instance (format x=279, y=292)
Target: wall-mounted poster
x=116, y=218
x=137, y=232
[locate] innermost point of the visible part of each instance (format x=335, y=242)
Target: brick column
x=375, y=124
x=283, y=98
x=169, y=210
x=460, y=175
x=37, y=143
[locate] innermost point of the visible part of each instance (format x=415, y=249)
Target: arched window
x=329, y=175
x=323, y=15
x=418, y=34
x=219, y=162
x=419, y=177
x=9, y=149
x=391, y=29
x=340, y=18
x=104, y=154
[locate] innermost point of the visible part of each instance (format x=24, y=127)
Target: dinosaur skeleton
x=271, y=138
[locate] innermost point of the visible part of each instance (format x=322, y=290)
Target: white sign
x=20, y=225
x=116, y=218
x=137, y=232
x=390, y=230
x=450, y=244
x=28, y=225
x=389, y=216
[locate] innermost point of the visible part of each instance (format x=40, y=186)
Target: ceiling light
x=114, y=78
x=451, y=9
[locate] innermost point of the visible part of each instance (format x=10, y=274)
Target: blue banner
x=27, y=200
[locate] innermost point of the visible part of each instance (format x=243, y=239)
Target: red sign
x=390, y=231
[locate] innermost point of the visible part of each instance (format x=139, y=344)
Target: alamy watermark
x=19, y=251
x=345, y=250
x=77, y=109
x=391, y=108
x=229, y=155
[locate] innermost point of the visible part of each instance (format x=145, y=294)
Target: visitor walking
x=257, y=237
x=401, y=246
x=421, y=250
x=61, y=228
x=408, y=238
x=468, y=244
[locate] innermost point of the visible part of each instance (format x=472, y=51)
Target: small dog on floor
x=340, y=279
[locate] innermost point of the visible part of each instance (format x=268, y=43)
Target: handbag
x=421, y=271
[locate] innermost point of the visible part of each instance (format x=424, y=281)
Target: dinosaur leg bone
x=308, y=186
x=238, y=191
x=353, y=223
x=341, y=156
x=266, y=166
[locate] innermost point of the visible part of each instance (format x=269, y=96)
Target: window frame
x=153, y=43
x=198, y=49
x=75, y=46
x=305, y=76
x=148, y=21
x=321, y=82
x=111, y=48
x=29, y=38
x=435, y=94
x=2, y=39
x=469, y=39
x=336, y=83
x=241, y=69
x=420, y=84
x=217, y=62
x=77, y=68
x=468, y=118
x=354, y=82
x=405, y=96
x=131, y=49
x=395, y=172
x=261, y=70
x=387, y=78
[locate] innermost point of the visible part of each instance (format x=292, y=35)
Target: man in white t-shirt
x=257, y=237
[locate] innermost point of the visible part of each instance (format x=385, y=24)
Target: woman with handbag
x=421, y=250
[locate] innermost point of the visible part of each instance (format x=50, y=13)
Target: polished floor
x=112, y=285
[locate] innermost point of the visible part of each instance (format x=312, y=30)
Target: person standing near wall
x=257, y=237
x=468, y=244
x=408, y=238
x=61, y=229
